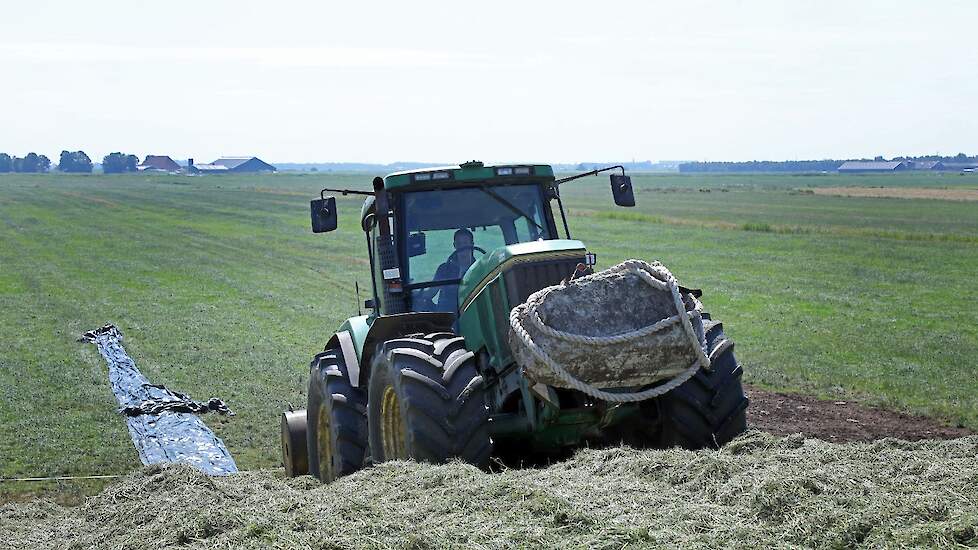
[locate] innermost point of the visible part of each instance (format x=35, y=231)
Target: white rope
x=656, y=276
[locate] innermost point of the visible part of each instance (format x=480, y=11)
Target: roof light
x=522, y=171
x=440, y=175
x=506, y=171
x=422, y=177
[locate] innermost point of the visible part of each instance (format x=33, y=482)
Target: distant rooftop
x=159, y=162
x=211, y=167
x=234, y=165
x=232, y=162
x=870, y=165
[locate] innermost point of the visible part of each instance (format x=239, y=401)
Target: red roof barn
x=159, y=162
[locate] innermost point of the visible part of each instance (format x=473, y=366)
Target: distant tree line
x=827, y=165
x=69, y=161
x=959, y=158
x=32, y=163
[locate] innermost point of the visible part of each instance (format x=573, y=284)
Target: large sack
x=621, y=327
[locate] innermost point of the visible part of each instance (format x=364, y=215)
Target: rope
x=656, y=276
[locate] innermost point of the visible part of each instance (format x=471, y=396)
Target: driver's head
x=463, y=238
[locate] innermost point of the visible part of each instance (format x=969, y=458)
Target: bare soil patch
x=839, y=421
x=900, y=193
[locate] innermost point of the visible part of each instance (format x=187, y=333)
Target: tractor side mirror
x=416, y=244
x=323, y=215
x=621, y=188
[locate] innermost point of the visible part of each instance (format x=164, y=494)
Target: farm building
x=244, y=164
x=158, y=163
x=207, y=169
x=858, y=167
x=927, y=165
x=961, y=166
x=232, y=165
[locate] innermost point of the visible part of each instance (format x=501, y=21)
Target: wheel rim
x=324, y=444
x=392, y=426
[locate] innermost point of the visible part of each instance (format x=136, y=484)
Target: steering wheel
x=423, y=303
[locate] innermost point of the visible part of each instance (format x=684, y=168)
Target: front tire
x=428, y=402
x=336, y=419
x=709, y=409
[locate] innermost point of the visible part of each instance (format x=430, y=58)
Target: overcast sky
x=497, y=81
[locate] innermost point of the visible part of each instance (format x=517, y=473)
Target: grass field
x=221, y=290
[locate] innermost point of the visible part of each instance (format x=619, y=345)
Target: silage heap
x=759, y=491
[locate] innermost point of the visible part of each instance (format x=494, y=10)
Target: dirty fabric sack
x=617, y=328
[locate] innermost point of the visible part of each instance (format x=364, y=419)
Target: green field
x=221, y=290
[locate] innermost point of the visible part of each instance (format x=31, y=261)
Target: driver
x=454, y=267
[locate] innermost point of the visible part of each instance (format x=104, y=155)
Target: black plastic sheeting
x=162, y=423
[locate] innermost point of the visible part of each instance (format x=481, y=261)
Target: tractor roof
x=471, y=171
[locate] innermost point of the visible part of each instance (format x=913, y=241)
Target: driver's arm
x=441, y=274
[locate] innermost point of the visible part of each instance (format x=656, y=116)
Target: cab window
x=447, y=230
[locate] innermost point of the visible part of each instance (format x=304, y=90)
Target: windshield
x=447, y=230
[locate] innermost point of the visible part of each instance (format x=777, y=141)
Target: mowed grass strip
x=221, y=290
x=901, y=193
x=760, y=491
x=764, y=227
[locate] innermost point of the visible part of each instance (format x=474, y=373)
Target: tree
x=76, y=161
x=117, y=163
x=31, y=163
x=6, y=164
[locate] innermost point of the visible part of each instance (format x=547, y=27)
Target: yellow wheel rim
x=392, y=426
x=324, y=444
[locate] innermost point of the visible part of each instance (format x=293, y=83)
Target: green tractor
x=430, y=373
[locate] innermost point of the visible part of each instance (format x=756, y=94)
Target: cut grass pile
x=760, y=491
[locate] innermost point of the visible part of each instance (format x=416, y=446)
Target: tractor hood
x=490, y=265
x=503, y=279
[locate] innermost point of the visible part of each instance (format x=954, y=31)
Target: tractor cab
x=428, y=228
x=445, y=231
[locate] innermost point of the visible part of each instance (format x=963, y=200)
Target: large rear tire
x=336, y=419
x=428, y=402
x=710, y=409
